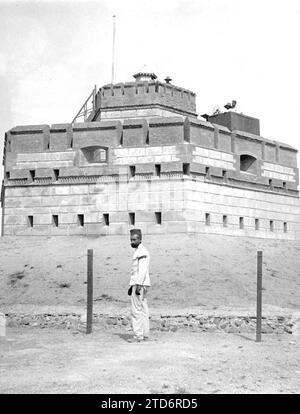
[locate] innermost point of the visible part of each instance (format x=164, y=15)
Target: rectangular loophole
x=225, y=221
x=271, y=225
x=132, y=219
x=80, y=220
x=207, y=219
x=157, y=169
x=131, y=171
x=285, y=227
x=106, y=219
x=207, y=172
x=30, y=221
x=186, y=169
x=56, y=174
x=55, y=220
x=241, y=222
x=158, y=217
x=256, y=224
x=7, y=175
x=32, y=174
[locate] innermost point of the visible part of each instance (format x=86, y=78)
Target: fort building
x=142, y=157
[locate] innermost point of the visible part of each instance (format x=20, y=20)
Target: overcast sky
x=52, y=53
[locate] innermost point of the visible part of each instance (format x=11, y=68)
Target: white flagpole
x=113, y=51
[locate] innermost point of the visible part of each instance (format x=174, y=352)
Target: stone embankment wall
x=171, y=323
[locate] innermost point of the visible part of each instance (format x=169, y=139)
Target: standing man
x=139, y=284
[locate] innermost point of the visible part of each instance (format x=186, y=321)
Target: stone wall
x=179, y=168
x=183, y=202
x=145, y=95
x=167, y=323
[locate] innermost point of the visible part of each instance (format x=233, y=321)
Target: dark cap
x=136, y=231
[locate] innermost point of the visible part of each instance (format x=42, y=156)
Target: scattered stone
x=112, y=321
x=25, y=321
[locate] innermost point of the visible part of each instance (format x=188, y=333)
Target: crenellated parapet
x=144, y=99
x=42, y=152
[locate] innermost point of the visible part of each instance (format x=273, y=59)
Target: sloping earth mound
x=202, y=271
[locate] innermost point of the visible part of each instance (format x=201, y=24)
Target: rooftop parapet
x=146, y=94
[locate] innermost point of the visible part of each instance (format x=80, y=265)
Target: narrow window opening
x=158, y=217
x=241, y=222
x=32, y=174
x=55, y=220
x=186, y=169
x=106, y=219
x=132, y=219
x=256, y=224
x=56, y=174
x=225, y=221
x=132, y=171
x=207, y=219
x=271, y=225
x=285, y=227
x=30, y=221
x=284, y=184
x=147, y=138
x=207, y=172
x=7, y=175
x=157, y=169
x=224, y=174
x=80, y=220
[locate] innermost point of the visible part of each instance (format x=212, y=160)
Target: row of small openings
x=146, y=89
x=185, y=170
x=271, y=183
x=32, y=174
x=131, y=216
x=241, y=223
x=136, y=90
x=80, y=219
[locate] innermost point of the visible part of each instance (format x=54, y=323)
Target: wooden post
x=259, y=296
x=89, y=310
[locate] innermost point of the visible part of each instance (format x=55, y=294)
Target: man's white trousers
x=139, y=314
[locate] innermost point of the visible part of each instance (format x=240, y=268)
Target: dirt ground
x=203, y=271
x=53, y=361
